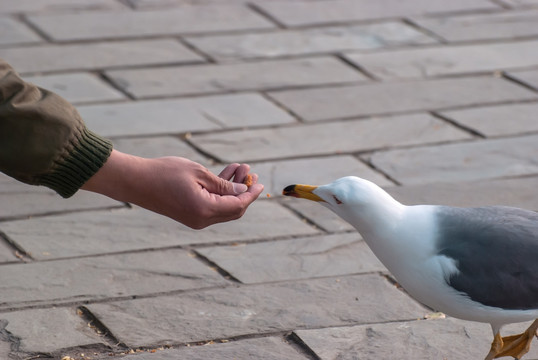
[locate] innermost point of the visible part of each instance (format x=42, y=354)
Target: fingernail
x=239, y=188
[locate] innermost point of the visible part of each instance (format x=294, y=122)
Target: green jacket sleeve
x=43, y=140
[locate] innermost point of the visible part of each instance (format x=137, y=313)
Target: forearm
x=43, y=139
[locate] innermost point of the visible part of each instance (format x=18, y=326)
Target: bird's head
x=350, y=197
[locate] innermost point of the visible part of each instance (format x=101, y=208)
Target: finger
x=241, y=173
x=228, y=208
x=228, y=172
x=221, y=186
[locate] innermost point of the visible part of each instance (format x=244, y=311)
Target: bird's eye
x=337, y=200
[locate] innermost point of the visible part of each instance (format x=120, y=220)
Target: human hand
x=177, y=187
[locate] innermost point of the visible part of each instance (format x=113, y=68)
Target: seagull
x=478, y=264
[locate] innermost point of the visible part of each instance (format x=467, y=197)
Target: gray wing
x=496, y=252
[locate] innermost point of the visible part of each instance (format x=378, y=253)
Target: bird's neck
x=381, y=220
x=395, y=235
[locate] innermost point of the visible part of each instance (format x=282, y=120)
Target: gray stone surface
x=319, y=215
x=309, y=41
x=148, y=118
x=91, y=233
x=49, y=330
x=512, y=119
x=395, y=97
x=302, y=258
x=19, y=6
x=529, y=78
x=149, y=4
x=265, y=348
x=77, y=87
x=487, y=159
x=14, y=32
x=7, y=254
x=202, y=79
x=184, y=115
x=462, y=59
x=29, y=201
x=424, y=339
x=186, y=19
x=276, y=175
x=520, y=3
x=332, y=11
x=261, y=308
x=506, y=25
x=98, y=55
x=327, y=138
x=517, y=192
x=123, y=275
x=159, y=146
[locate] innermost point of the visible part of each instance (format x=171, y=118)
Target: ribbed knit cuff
x=88, y=155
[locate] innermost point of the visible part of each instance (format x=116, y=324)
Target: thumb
x=221, y=186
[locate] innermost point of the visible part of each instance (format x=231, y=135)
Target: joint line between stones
x=266, y=15
x=295, y=341
x=516, y=81
x=100, y=329
x=357, y=67
x=456, y=124
x=214, y=266
x=18, y=250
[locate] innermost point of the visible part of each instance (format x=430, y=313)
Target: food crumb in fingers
x=248, y=180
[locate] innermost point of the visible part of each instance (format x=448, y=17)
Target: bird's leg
x=515, y=345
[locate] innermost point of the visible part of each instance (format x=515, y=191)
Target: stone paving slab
x=517, y=192
x=60, y=281
x=309, y=41
x=529, y=78
x=334, y=11
x=501, y=120
x=396, y=97
x=424, y=339
x=234, y=311
x=49, y=330
x=75, y=57
x=487, y=159
x=202, y=79
x=271, y=348
x=183, y=115
x=312, y=139
x=15, y=32
x=101, y=232
x=182, y=20
x=77, y=87
x=33, y=201
x=506, y=25
x=153, y=147
x=20, y=6
x=462, y=59
x=302, y=258
x=276, y=175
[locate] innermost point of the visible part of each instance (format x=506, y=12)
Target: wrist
x=117, y=178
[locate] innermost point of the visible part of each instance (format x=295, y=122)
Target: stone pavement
x=435, y=100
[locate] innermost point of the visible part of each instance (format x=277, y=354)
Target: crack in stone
x=326, y=251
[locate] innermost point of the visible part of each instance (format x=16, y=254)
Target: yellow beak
x=302, y=192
